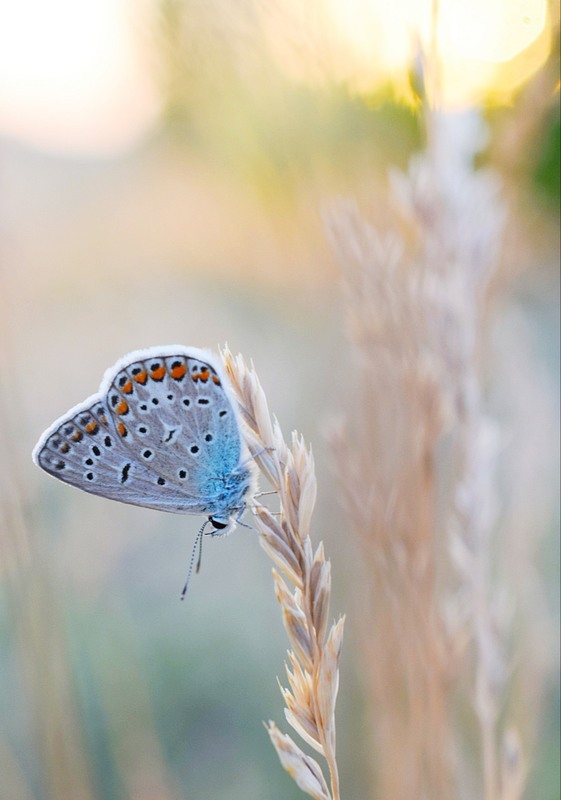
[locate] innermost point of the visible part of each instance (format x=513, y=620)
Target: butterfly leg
x=238, y=518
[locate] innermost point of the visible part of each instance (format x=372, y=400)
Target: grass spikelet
x=302, y=580
x=434, y=627
x=304, y=770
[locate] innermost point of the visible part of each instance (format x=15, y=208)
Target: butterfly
x=162, y=432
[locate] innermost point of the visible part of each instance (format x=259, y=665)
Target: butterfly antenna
x=200, y=558
x=197, y=545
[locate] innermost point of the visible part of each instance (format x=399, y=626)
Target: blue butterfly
x=162, y=432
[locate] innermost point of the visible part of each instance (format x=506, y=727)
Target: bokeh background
x=164, y=167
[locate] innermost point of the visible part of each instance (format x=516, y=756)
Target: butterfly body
x=163, y=432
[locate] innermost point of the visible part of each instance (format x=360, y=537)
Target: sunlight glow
x=72, y=75
x=366, y=43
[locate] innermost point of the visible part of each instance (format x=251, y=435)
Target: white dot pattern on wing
x=162, y=433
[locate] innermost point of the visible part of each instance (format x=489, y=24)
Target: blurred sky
x=77, y=75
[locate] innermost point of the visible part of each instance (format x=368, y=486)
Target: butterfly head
x=220, y=522
x=224, y=524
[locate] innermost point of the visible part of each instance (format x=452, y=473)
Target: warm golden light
x=368, y=42
x=72, y=75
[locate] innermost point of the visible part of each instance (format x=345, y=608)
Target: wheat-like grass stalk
x=416, y=299
x=302, y=578
x=385, y=457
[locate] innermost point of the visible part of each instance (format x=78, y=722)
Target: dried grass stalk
x=416, y=298
x=385, y=459
x=302, y=579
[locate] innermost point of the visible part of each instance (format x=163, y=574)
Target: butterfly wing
x=174, y=414
x=162, y=433
x=83, y=449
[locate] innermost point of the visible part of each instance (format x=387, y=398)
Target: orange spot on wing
x=77, y=436
x=121, y=428
x=92, y=427
x=64, y=448
x=216, y=380
x=178, y=372
x=103, y=419
x=158, y=374
x=203, y=376
x=142, y=377
x=127, y=388
x=122, y=408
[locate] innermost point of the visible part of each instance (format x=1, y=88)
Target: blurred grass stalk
x=302, y=586
x=432, y=628
x=34, y=612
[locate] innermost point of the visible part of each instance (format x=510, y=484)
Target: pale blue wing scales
x=178, y=420
x=84, y=449
x=161, y=433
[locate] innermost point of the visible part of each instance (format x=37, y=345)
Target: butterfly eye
x=218, y=523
